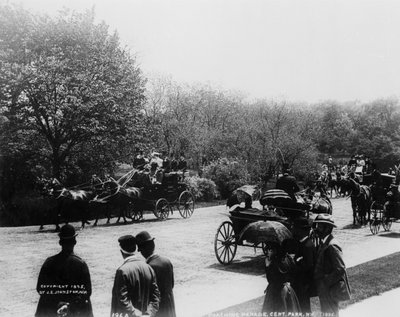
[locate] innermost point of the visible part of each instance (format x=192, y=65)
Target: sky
x=299, y=50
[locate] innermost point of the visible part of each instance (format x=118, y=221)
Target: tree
x=68, y=82
x=336, y=129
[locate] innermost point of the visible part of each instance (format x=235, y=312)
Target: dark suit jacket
x=135, y=289
x=303, y=281
x=64, y=278
x=329, y=269
x=288, y=184
x=165, y=281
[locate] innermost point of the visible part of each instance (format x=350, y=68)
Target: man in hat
x=135, y=291
x=164, y=273
x=305, y=258
x=139, y=161
x=287, y=183
x=330, y=275
x=64, y=282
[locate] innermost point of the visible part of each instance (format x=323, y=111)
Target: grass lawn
x=366, y=280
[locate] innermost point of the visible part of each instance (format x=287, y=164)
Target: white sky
x=297, y=50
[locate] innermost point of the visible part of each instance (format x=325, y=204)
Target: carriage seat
x=256, y=214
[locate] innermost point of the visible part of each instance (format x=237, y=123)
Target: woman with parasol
x=279, y=267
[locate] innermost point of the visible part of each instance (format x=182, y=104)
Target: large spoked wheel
x=162, y=209
x=186, y=204
x=376, y=215
x=225, y=243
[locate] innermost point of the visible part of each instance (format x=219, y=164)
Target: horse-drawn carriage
x=385, y=208
x=128, y=197
x=253, y=227
x=159, y=197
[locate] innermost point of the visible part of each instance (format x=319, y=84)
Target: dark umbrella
x=246, y=193
x=265, y=231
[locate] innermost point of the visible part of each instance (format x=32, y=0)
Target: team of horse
x=108, y=197
x=347, y=186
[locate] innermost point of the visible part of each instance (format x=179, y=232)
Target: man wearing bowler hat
x=135, y=291
x=164, y=273
x=330, y=271
x=305, y=261
x=64, y=282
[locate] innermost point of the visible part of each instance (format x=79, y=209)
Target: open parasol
x=265, y=231
x=246, y=193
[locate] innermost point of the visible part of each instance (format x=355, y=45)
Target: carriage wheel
x=376, y=212
x=225, y=243
x=137, y=215
x=386, y=223
x=386, y=220
x=162, y=209
x=186, y=204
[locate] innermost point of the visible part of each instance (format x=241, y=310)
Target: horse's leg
x=119, y=214
x=108, y=215
x=354, y=208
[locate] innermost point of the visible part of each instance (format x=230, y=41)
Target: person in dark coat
x=135, y=291
x=305, y=259
x=139, y=161
x=377, y=189
x=330, y=271
x=280, y=297
x=287, y=183
x=182, y=164
x=164, y=273
x=64, y=282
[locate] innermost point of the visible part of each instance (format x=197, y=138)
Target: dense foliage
x=71, y=95
x=203, y=189
x=73, y=102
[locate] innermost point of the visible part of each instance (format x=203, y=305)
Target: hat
x=325, y=218
x=143, y=237
x=127, y=243
x=155, y=154
x=67, y=232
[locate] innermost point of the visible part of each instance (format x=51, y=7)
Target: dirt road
x=202, y=284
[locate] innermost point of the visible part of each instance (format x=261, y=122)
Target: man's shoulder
x=77, y=258
x=133, y=264
x=158, y=259
x=333, y=245
x=60, y=258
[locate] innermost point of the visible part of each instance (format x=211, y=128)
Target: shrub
x=227, y=175
x=203, y=189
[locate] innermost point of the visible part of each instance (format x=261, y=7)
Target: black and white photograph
x=199, y=158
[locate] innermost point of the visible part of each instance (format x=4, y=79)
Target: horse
x=332, y=184
x=67, y=201
x=117, y=197
x=361, y=199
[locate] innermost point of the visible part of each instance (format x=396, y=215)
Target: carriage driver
x=287, y=182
